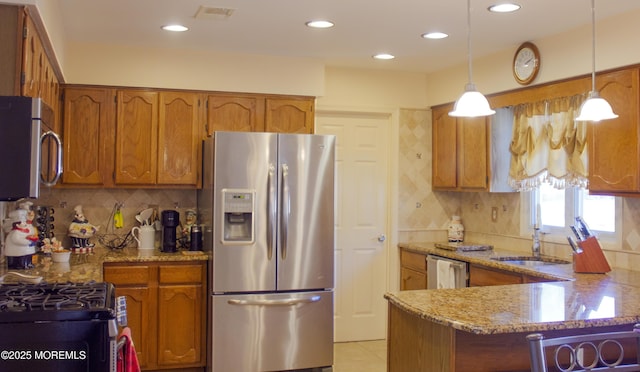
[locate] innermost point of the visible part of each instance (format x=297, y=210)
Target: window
x=557, y=210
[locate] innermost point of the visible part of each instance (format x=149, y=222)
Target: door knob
x=382, y=238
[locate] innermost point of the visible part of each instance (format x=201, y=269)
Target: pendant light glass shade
x=472, y=103
x=595, y=108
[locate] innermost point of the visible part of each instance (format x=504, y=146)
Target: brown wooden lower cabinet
x=413, y=270
x=166, y=310
x=419, y=345
x=486, y=276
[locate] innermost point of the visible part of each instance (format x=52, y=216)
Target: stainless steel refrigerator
x=267, y=206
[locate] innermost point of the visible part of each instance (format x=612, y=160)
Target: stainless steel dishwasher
x=460, y=272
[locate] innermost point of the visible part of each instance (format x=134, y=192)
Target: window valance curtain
x=548, y=145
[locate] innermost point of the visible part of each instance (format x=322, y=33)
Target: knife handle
x=576, y=233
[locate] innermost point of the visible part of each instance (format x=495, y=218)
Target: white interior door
x=362, y=153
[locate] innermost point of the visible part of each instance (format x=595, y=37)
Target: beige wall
x=191, y=69
x=563, y=56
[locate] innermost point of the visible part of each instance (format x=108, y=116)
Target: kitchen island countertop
x=484, y=328
x=88, y=267
x=572, y=301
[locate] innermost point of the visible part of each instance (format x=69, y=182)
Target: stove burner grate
x=54, y=297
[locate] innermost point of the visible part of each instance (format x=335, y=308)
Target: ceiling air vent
x=206, y=12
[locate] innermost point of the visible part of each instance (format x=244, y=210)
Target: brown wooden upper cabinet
x=238, y=113
x=136, y=137
x=179, y=138
x=89, y=134
x=126, y=137
x=38, y=78
x=129, y=137
x=288, y=115
x=157, y=138
x=460, y=151
x=259, y=113
x=614, y=150
x=27, y=63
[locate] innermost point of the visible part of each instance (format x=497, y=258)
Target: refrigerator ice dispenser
x=238, y=216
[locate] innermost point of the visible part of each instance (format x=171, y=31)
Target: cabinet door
x=133, y=282
x=614, y=150
x=141, y=319
x=179, y=138
x=136, y=137
x=32, y=60
x=412, y=279
x=288, y=115
x=472, y=153
x=235, y=113
x=88, y=136
x=180, y=327
x=181, y=312
x=444, y=149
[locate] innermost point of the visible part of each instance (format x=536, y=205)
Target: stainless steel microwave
x=30, y=153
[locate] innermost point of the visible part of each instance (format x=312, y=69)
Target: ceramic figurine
x=455, y=230
x=51, y=245
x=30, y=216
x=20, y=243
x=80, y=231
x=190, y=220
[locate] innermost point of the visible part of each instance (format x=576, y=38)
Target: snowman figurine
x=80, y=231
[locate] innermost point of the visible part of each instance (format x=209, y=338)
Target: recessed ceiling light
x=320, y=24
x=384, y=56
x=504, y=8
x=434, y=35
x=175, y=28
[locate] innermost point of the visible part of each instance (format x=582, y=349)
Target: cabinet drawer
x=413, y=260
x=412, y=279
x=127, y=275
x=180, y=274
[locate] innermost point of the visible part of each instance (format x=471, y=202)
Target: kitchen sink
x=531, y=260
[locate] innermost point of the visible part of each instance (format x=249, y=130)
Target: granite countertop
x=572, y=301
x=88, y=267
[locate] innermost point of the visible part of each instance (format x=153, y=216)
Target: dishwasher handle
x=459, y=265
x=460, y=268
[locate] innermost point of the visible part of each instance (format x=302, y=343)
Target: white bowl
x=61, y=256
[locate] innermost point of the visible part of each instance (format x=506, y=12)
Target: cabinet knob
x=382, y=238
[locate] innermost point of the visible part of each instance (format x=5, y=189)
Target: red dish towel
x=127, y=358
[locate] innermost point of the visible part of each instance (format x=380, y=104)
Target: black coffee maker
x=170, y=222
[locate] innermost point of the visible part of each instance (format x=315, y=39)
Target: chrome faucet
x=535, y=247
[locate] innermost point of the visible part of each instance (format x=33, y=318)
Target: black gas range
x=58, y=327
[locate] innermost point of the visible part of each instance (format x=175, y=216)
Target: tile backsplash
x=98, y=206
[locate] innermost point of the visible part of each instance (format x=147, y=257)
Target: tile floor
x=370, y=356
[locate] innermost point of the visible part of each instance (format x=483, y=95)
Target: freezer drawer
x=272, y=332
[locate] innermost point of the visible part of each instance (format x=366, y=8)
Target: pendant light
x=472, y=103
x=595, y=108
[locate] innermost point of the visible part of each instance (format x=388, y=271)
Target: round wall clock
x=526, y=63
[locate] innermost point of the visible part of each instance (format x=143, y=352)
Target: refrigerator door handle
x=283, y=302
x=272, y=212
x=286, y=210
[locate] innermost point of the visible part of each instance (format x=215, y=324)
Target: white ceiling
x=363, y=27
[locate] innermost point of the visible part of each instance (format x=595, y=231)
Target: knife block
x=591, y=259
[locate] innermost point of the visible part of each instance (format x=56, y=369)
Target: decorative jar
x=455, y=230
